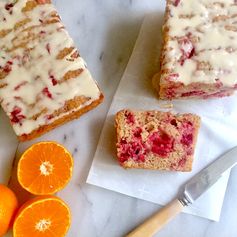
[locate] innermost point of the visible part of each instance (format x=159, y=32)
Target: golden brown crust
x=63, y=53
x=74, y=115
x=165, y=32
x=80, y=104
x=31, y=4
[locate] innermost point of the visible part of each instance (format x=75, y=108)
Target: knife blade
x=201, y=182
x=192, y=190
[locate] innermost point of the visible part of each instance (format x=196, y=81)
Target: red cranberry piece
x=189, y=151
x=48, y=48
x=16, y=116
x=53, y=80
x=187, y=136
x=219, y=84
x=42, y=1
x=9, y=62
x=161, y=143
x=130, y=117
x=192, y=93
x=137, y=132
x=187, y=139
x=17, y=98
x=49, y=117
x=176, y=3
x=219, y=94
x=174, y=122
x=182, y=162
x=188, y=125
x=8, y=67
x=134, y=150
x=187, y=49
x=47, y=93
x=172, y=77
x=170, y=93
x=177, y=166
x=9, y=6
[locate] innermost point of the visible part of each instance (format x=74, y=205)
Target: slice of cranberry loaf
x=43, y=80
x=199, y=56
x=156, y=140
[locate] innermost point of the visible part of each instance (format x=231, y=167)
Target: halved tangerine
x=45, y=168
x=46, y=216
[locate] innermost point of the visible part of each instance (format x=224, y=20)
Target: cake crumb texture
x=156, y=140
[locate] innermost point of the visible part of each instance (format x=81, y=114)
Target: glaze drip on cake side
x=40, y=68
x=203, y=41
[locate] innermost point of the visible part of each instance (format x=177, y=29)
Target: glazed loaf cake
x=199, y=56
x=43, y=80
x=156, y=140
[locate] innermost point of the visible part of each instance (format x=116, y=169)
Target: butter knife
x=193, y=189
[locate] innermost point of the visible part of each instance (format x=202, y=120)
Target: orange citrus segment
x=8, y=207
x=46, y=216
x=45, y=168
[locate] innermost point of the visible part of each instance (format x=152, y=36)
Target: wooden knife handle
x=157, y=221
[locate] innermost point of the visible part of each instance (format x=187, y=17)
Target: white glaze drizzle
x=39, y=64
x=213, y=40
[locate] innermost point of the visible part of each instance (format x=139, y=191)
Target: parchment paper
x=218, y=133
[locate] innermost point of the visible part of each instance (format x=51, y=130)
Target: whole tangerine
x=8, y=208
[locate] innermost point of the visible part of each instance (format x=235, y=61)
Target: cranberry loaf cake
x=199, y=56
x=156, y=140
x=43, y=80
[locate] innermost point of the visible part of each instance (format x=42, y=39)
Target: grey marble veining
x=105, y=32
x=8, y=147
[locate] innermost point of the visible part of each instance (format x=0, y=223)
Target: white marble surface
x=135, y=91
x=105, y=32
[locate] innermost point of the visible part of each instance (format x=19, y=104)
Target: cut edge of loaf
x=149, y=163
x=209, y=89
